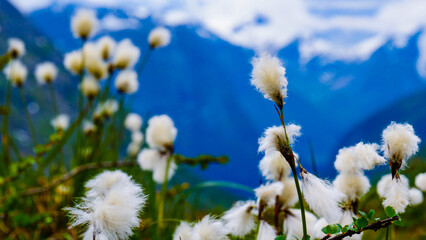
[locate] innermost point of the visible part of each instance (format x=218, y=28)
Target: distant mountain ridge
x=203, y=84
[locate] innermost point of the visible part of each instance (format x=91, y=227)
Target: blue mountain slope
x=203, y=84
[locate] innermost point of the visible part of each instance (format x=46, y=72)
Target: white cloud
x=112, y=23
x=27, y=6
x=334, y=29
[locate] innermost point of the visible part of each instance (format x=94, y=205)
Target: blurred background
x=352, y=66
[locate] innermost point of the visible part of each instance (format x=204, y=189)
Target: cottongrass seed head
x=266, y=231
x=238, y=220
x=127, y=81
x=384, y=183
x=16, y=47
x=288, y=196
x=274, y=167
x=397, y=195
x=126, y=54
x=73, y=62
x=88, y=127
x=323, y=198
x=60, y=122
x=84, y=23
x=159, y=37
x=420, y=181
x=159, y=171
x=183, y=231
x=293, y=227
x=106, y=47
x=90, y=87
x=46, y=72
x=111, y=206
x=137, y=137
x=399, y=143
x=268, y=192
x=317, y=229
x=415, y=196
x=268, y=76
x=148, y=158
x=93, y=61
x=209, y=228
x=16, y=72
x=161, y=132
x=367, y=155
x=274, y=137
x=133, y=122
x=353, y=186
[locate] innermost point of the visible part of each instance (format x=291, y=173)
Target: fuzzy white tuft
x=88, y=127
x=84, y=23
x=397, y=195
x=416, y=196
x=273, y=136
x=293, y=227
x=399, y=142
x=16, y=72
x=89, y=87
x=420, y=181
x=159, y=37
x=106, y=47
x=107, y=108
x=133, y=122
x=161, y=132
x=137, y=137
x=322, y=197
x=352, y=185
x=60, y=122
x=346, y=161
x=16, y=47
x=318, y=226
x=238, y=220
x=367, y=155
x=268, y=76
x=148, y=158
x=133, y=148
x=73, y=62
x=127, y=82
x=384, y=183
x=46, y=72
x=274, y=167
x=347, y=219
x=126, y=54
x=209, y=229
x=159, y=171
x=288, y=196
x=183, y=232
x=111, y=206
x=93, y=61
x=266, y=231
x=268, y=192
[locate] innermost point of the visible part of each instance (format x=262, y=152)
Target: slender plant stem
x=53, y=96
x=5, y=134
x=163, y=195
x=144, y=60
x=387, y=232
x=28, y=116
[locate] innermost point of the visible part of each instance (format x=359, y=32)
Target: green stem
x=28, y=116
x=5, y=135
x=105, y=92
x=144, y=60
x=163, y=195
x=54, y=102
x=387, y=232
x=302, y=207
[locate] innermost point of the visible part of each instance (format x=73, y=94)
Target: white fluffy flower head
x=322, y=197
x=266, y=231
x=161, y=132
x=46, y=72
x=137, y=137
x=16, y=73
x=209, y=229
x=268, y=76
x=133, y=148
x=274, y=167
x=73, y=62
x=126, y=54
x=183, y=232
x=268, y=192
x=90, y=87
x=106, y=47
x=367, y=155
x=16, y=47
x=133, y=122
x=60, y=122
x=159, y=171
x=88, y=127
x=353, y=186
x=420, y=181
x=238, y=220
x=415, y=196
x=127, y=81
x=397, y=195
x=159, y=37
x=288, y=196
x=274, y=137
x=84, y=23
x=399, y=143
x=93, y=61
x=148, y=158
x=106, y=109
x=293, y=224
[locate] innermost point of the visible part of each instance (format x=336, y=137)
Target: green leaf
x=281, y=237
x=390, y=211
x=345, y=228
x=362, y=213
x=362, y=223
x=332, y=229
x=371, y=214
x=398, y=223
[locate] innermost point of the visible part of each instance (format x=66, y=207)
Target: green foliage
x=202, y=160
x=281, y=237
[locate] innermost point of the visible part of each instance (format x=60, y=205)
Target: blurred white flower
x=384, y=183
x=93, y=62
x=16, y=47
x=161, y=132
x=322, y=197
x=288, y=196
x=106, y=109
x=397, y=195
x=266, y=231
x=73, y=62
x=106, y=47
x=399, y=143
x=353, y=186
x=159, y=171
x=133, y=148
x=133, y=122
x=148, y=158
x=127, y=81
x=84, y=23
x=268, y=76
x=90, y=87
x=126, y=54
x=293, y=228
x=317, y=229
x=46, y=72
x=183, y=232
x=274, y=137
x=88, y=127
x=274, y=167
x=16, y=72
x=111, y=210
x=60, y=122
x=346, y=161
x=367, y=155
x=268, y=192
x=209, y=229
x=238, y=220
x=137, y=137
x=415, y=196
x=420, y=181
x=159, y=37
